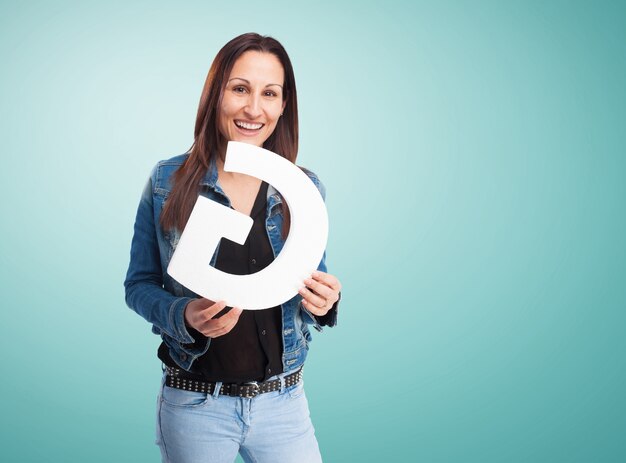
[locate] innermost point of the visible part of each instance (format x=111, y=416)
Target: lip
x=247, y=132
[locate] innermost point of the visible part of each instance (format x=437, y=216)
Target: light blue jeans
x=274, y=427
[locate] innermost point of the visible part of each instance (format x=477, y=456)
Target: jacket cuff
x=200, y=343
x=330, y=319
x=177, y=320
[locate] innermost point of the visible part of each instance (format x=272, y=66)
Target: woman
x=232, y=380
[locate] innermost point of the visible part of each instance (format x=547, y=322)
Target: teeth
x=247, y=125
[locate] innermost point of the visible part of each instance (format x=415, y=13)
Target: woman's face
x=253, y=98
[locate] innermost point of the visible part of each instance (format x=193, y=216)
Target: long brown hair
x=208, y=141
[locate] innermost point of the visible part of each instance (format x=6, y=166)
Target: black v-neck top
x=252, y=350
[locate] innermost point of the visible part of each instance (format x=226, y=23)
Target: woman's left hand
x=321, y=293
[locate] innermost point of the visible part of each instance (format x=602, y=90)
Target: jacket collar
x=210, y=180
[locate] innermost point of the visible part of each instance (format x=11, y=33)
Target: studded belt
x=177, y=378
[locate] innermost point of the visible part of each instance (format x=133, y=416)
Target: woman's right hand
x=199, y=314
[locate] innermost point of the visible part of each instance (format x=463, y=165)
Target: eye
x=270, y=93
x=239, y=89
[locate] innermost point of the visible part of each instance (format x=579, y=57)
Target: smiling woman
x=239, y=93
x=233, y=379
x=253, y=100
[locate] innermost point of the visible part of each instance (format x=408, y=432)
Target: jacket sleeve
x=330, y=319
x=145, y=293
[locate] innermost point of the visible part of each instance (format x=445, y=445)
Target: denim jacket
x=161, y=300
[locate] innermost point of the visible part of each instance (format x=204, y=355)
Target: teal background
x=473, y=154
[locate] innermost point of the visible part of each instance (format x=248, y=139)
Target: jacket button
x=253, y=261
x=183, y=356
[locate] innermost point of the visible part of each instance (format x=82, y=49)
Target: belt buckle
x=255, y=389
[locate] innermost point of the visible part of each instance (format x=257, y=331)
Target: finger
x=232, y=316
x=217, y=332
x=214, y=331
x=213, y=310
x=312, y=298
x=327, y=278
x=315, y=310
x=221, y=331
x=222, y=325
x=320, y=289
x=204, y=316
x=225, y=321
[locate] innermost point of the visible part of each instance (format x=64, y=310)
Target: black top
x=252, y=350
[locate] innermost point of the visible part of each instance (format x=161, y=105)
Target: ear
x=283, y=107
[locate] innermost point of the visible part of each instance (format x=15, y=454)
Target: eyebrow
x=248, y=82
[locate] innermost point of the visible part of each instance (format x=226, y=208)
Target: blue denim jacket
x=161, y=300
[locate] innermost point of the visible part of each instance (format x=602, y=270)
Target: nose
x=253, y=106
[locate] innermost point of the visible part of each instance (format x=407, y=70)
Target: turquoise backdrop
x=474, y=156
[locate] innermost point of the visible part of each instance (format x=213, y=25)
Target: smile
x=248, y=125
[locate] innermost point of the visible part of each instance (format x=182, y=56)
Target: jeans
x=194, y=427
